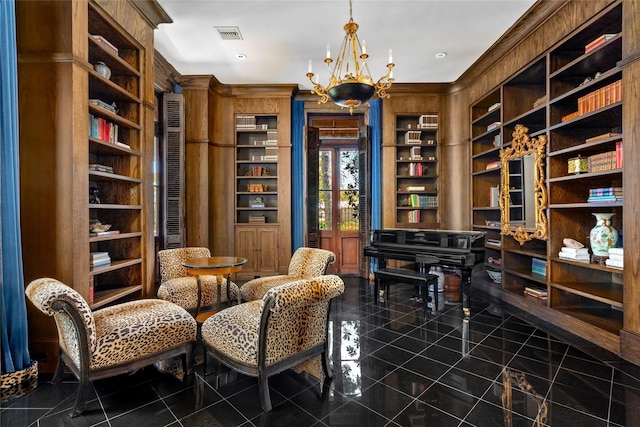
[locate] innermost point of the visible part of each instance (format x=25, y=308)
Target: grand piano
x=447, y=248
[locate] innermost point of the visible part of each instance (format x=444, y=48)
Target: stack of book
x=576, y=254
x=100, y=258
x=601, y=97
x=413, y=216
x=616, y=258
x=539, y=266
x=104, y=42
x=245, y=122
x=415, y=169
x=493, y=107
x=538, y=293
x=103, y=233
x=413, y=137
x=602, y=39
x=606, y=161
x=257, y=219
x=493, y=126
x=96, y=167
x=493, y=165
x=606, y=194
x=416, y=153
x=428, y=121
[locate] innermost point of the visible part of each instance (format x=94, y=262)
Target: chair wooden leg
x=81, y=398
x=188, y=360
x=263, y=387
x=326, y=365
x=57, y=376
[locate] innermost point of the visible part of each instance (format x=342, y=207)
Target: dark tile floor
x=394, y=365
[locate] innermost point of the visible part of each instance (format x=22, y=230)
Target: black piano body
x=448, y=248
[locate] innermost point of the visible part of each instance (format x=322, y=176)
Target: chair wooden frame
x=85, y=376
x=262, y=371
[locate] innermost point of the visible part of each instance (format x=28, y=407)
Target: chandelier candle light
x=350, y=84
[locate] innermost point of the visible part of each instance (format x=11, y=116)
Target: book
x=540, y=297
x=540, y=101
x=563, y=255
x=570, y=116
x=100, y=103
x=493, y=165
x=536, y=291
x=98, y=263
x=605, y=191
x=614, y=263
x=415, y=188
x=100, y=168
x=605, y=199
x=493, y=126
x=493, y=107
x=616, y=257
x=104, y=42
x=618, y=251
x=575, y=251
x=257, y=205
x=494, y=196
x=598, y=42
x=601, y=136
x=104, y=233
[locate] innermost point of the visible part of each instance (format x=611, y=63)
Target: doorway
x=339, y=189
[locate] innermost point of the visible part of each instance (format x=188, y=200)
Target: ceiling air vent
x=229, y=33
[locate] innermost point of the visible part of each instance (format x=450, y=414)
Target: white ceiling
x=281, y=36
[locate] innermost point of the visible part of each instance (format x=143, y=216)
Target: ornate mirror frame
x=521, y=146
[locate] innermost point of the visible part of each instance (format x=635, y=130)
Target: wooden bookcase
x=486, y=141
x=584, y=298
x=417, y=202
x=590, y=293
x=57, y=81
x=115, y=141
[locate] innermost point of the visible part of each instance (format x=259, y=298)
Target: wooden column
x=195, y=90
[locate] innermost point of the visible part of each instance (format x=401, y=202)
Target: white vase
x=603, y=236
x=102, y=69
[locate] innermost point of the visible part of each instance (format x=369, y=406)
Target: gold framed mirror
x=523, y=196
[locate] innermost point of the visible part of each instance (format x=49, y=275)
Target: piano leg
x=465, y=287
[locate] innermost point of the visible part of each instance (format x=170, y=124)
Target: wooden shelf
x=604, y=320
x=601, y=292
x=104, y=298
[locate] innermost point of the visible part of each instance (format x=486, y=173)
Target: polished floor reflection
x=394, y=364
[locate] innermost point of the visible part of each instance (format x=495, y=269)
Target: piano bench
x=384, y=276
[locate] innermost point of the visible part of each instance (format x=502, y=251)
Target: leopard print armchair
x=114, y=340
x=286, y=329
x=177, y=286
x=305, y=263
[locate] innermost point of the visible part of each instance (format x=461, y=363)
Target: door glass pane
x=349, y=185
x=324, y=186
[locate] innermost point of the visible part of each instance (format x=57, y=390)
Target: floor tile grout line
x=613, y=373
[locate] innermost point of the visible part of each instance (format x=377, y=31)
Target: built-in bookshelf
x=115, y=159
x=86, y=116
x=256, y=169
x=586, y=122
x=417, y=202
x=572, y=95
x=486, y=141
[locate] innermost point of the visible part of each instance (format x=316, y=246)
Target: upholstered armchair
x=114, y=340
x=285, y=329
x=177, y=286
x=305, y=263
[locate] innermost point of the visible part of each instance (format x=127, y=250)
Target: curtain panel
x=13, y=320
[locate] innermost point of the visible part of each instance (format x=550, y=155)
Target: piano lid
x=454, y=239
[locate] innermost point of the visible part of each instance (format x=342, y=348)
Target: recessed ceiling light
x=441, y=55
x=241, y=56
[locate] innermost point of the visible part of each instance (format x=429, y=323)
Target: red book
x=619, y=155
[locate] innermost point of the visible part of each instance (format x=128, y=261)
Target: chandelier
x=350, y=83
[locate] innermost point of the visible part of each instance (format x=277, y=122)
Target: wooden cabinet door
x=267, y=250
x=246, y=248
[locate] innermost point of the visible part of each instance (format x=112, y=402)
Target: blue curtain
x=297, y=175
x=375, y=123
x=13, y=313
